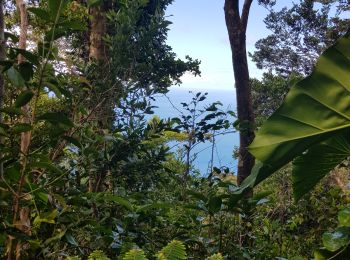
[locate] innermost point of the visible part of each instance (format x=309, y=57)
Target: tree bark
x=21, y=216
x=22, y=44
x=2, y=82
x=98, y=29
x=236, y=27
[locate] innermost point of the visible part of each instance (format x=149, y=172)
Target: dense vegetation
x=87, y=171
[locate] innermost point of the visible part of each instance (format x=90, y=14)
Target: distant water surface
x=224, y=143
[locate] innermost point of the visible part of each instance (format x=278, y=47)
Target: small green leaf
x=56, y=118
x=24, y=98
x=71, y=240
x=344, y=217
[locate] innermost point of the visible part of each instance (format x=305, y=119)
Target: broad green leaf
x=315, y=109
x=47, y=217
x=344, y=217
x=319, y=160
x=56, y=118
x=40, y=13
x=333, y=241
x=31, y=57
x=214, y=204
x=24, y=98
x=15, y=77
x=21, y=127
x=75, y=25
x=117, y=199
x=26, y=70
x=56, y=7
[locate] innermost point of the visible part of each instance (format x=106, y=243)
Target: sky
x=198, y=29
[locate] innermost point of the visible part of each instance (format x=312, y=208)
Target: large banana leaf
x=315, y=109
x=319, y=160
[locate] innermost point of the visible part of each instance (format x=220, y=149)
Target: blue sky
x=199, y=30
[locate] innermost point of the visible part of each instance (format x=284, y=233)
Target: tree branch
x=231, y=8
x=245, y=14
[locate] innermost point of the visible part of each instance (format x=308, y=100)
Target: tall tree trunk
x=2, y=82
x=236, y=27
x=22, y=44
x=98, y=29
x=21, y=215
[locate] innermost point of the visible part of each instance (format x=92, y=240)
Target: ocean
x=224, y=144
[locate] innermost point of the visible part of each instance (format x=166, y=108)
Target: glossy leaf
x=344, y=217
x=21, y=127
x=214, y=204
x=333, y=241
x=56, y=118
x=24, y=98
x=40, y=13
x=56, y=7
x=315, y=109
x=15, y=77
x=319, y=160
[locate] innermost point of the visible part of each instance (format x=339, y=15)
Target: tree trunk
x=236, y=27
x=2, y=82
x=22, y=44
x=98, y=29
x=21, y=216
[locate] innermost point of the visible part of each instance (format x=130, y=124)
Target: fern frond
x=175, y=250
x=98, y=255
x=135, y=254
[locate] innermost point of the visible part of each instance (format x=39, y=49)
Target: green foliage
x=175, y=250
x=300, y=32
x=135, y=254
x=301, y=131
x=98, y=255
